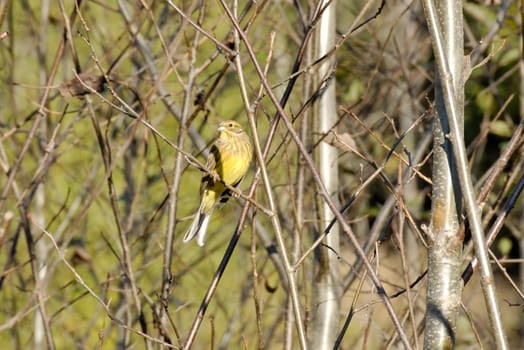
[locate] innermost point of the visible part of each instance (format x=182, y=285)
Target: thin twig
x=320, y=186
x=459, y=152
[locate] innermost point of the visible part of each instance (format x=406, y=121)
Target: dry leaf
x=78, y=88
x=344, y=142
x=80, y=255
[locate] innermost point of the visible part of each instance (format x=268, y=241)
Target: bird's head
x=230, y=127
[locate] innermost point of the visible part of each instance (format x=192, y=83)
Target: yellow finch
x=229, y=159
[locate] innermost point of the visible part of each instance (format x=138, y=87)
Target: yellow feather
x=229, y=158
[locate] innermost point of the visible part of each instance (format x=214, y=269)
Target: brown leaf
x=344, y=141
x=78, y=88
x=80, y=255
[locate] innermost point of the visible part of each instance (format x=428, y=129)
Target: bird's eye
x=230, y=125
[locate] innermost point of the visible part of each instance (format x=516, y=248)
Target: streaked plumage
x=230, y=157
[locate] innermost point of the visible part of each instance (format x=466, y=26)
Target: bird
x=229, y=160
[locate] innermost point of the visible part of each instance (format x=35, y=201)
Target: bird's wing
x=211, y=163
x=214, y=156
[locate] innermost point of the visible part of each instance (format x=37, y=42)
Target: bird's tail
x=198, y=228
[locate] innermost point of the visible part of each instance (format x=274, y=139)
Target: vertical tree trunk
x=326, y=283
x=521, y=112
x=444, y=246
x=40, y=249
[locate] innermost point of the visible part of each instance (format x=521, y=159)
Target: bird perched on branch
x=228, y=160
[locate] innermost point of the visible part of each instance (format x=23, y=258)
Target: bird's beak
x=221, y=128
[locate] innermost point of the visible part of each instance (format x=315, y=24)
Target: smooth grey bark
x=41, y=321
x=326, y=281
x=444, y=288
x=441, y=28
